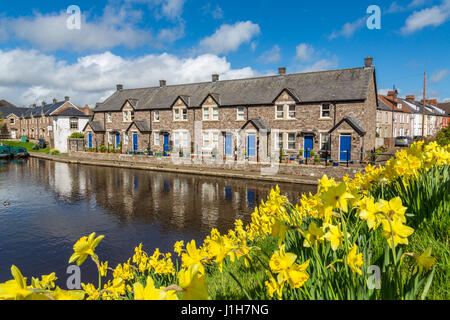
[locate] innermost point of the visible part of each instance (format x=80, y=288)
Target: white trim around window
x=325, y=113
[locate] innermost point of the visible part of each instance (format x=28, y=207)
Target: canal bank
x=286, y=173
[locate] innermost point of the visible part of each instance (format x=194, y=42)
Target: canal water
x=50, y=205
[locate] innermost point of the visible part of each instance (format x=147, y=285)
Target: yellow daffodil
x=85, y=247
x=103, y=268
x=369, y=210
x=281, y=261
x=337, y=197
x=313, y=236
x=354, y=260
x=335, y=236
x=396, y=232
x=394, y=209
x=150, y=292
x=60, y=294
x=193, y=257
x=15, y=289
x=297, y=275
x=193, y=284
x=178, y=247
x=424, y=261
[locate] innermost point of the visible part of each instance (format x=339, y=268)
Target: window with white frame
x=156, y=116
x=211, y=139
x=324, y=141
x=179, y=114
x=205, y=113
x=125, y=138
x=240, y=114
x=109, y=117
x=12, y=121
x=291, y=141
x=180, y=139
x=279, y=112
x=156, y=138
x=279, y=140
x=74, y=123
x=325, y=110
x=215, y=113
x=128, y=116
x=291, y=111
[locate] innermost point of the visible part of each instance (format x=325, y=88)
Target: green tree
x=443, y=137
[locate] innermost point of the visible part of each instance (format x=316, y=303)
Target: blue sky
x=138, y=42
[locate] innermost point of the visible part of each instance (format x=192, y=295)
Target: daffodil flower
x=85, y=247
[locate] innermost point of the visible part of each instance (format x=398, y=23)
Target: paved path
x=236, y=174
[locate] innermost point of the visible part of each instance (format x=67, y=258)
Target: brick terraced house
x=258, y=117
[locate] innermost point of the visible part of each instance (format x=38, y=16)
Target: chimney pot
x=215, y=77
x=86, y=109
x=410, y=97
x=368, y=62
x=119, y=87
x=162, y=83
x=34, y=105
x=281, y=70
x=66, y=98
x=43, y=103
x=54, y=100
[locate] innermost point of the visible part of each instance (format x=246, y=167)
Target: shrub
x=54, y=152
x=77, y=135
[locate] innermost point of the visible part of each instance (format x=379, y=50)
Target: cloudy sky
x=138, y=42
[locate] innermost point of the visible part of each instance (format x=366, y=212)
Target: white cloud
x=348, y=29
x=216, y=13
x=172, y=8
x=304, y=52
x=439, y=75
x=434, y=16
x=230, y=37
x=28, y=76
x=272, y=55
x=50, y=32
x=322, y=64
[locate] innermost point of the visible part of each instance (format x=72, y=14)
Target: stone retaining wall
x=265, y=169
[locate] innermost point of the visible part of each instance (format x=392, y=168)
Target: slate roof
x=445, y=106
x=322, y=86
x=418, y=107
x=387, y=101
x=258, y=124
x=352, y=122
x=142, y=125
x=72, y=112
x=97, y=126
x=46, y=109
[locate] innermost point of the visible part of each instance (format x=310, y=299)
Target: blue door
x=135, y=142
x=308, y=144
x=90, y=140
x=117, y=140
x=228, y=143
x=251, y=145
x=345, y=148
x=166, y=143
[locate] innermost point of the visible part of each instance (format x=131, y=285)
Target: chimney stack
x=66, y=98
x=119, y=87
x=34, y=105
x=410, y=97
x=281, y=71
x=162, y=83
x=368, y=62
x=215, y=77
x=393, y=94
x=86, y=110
x=43, y=103
x=432, y=101
x=55, y=101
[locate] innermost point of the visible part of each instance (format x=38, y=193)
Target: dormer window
x=279, y=114
x=128, y=116
x=285, y=111
x=179, y=114
x=210, y=113
x=12, y=121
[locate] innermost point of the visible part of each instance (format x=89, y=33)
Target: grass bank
x=27, y=145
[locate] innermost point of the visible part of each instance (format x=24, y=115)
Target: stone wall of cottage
x=307, y=119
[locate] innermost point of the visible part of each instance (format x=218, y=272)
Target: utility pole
x=423, y=108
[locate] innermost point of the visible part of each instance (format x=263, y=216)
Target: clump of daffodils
x=329, y=223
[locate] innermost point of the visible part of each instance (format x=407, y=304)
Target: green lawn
x=28, y=145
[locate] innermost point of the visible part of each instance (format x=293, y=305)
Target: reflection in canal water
x=53, y=204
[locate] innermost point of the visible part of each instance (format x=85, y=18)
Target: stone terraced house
x=257, y=118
